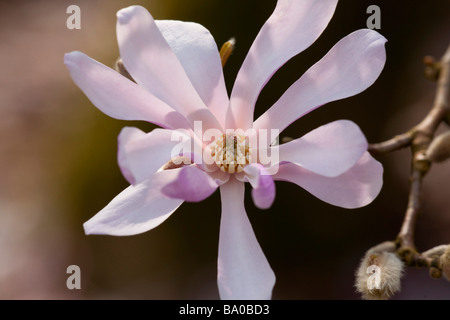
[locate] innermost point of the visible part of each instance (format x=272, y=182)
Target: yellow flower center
x=231, y=152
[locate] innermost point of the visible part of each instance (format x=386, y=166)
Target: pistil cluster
x=231, y=152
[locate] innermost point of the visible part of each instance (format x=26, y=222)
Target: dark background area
x=58, y=160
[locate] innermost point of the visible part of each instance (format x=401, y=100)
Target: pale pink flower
x=179, y=80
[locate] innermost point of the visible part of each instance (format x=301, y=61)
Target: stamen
x=231, y=152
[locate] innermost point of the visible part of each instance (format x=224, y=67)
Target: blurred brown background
x=58, y=160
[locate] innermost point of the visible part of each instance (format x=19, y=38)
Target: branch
x=405, y=238
x=422, y=136
x=419, y=139
x=441, y=108
x=427, y=127
x=396, y=143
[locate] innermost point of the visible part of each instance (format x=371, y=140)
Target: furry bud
x=444, y=263
x=226, y=50
x=378, y=276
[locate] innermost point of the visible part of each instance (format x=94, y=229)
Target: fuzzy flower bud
x=445, y=263
x=378, y=276
x=226, y=50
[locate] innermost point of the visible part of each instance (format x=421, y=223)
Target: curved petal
x=355, y=188
x=117, y=96
x=349, y=68
x=137, y=209
x=141, y=154
x=243, y=270
x=152, y=63
x=191, y=184
x=219, y=176
x=292, y=27
x=329, y=150
x=263, y=192
x=197, y=51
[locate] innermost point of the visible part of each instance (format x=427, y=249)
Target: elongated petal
x=349, y=68
x=329, y=150
x=137, y=209
x=117, y=96
x=192, y=184
x=243, y=270
x=263, y=192
x=292, y=27
x=152, y=63
x=355, y=188
x=141, y=154
x=197, y=51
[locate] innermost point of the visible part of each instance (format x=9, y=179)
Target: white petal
x=355, y=188
x=263, y=192
x=151, y=62
x=292, y=27
x=243, y=270
x=329, y=150
x=192, y=184
x=117, y=96
x=197, y=51
x=137, y=209
x=349, y=68
x=142, y=154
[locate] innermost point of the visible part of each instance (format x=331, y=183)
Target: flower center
x=231, y=152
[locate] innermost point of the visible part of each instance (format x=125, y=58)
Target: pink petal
x=137, y=209
x=152, y=63
x=191, y=184
x=219, y=176
x=329, y=150
x=141, y=154
x=349, y=68
x=355, y=188
x=117, y=96
x=243, y=270
x=292, y=27
x=197, y=51
x=263, y=192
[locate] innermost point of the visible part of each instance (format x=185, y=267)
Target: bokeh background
x=58, y=160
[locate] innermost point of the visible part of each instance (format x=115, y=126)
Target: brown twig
x=419, y=139
x=405, y=238
x=423, y=134
x=398, y=142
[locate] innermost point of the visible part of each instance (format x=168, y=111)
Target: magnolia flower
x=179, y=86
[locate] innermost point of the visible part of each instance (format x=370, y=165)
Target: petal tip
x=124, y=15
x=263, y=202
x=88, y=228
x=70, y=57
x=377, y=35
